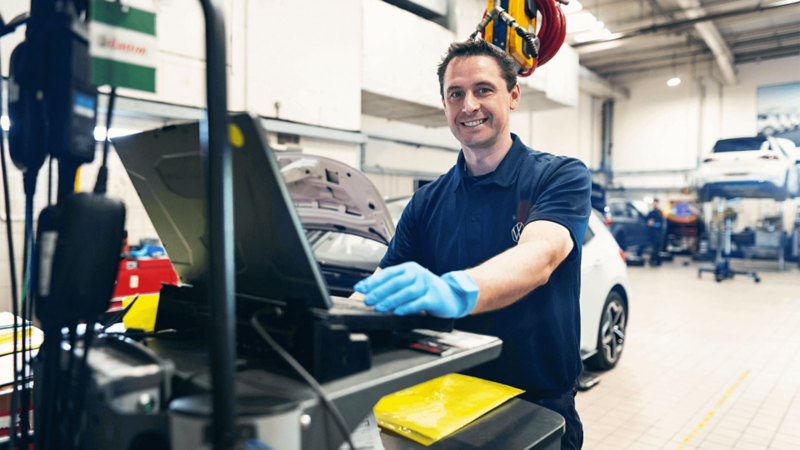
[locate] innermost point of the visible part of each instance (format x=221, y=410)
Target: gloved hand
x=409, y=288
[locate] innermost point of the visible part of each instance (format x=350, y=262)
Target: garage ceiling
x=642, y=35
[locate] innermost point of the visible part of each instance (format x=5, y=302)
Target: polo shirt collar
x=505, y=174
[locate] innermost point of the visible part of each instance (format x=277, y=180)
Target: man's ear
x=515, y=96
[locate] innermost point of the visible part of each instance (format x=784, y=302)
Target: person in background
x=655, y=224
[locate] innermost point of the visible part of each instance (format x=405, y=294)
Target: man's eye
x=484, y=90
x=455, y=94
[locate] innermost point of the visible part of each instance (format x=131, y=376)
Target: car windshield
x=347, y=250
x=741, y=145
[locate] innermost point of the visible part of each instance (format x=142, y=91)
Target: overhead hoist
x=511, y=25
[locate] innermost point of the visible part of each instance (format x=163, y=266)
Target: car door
x=638, y=227
x=621, y=224
x=592, y=296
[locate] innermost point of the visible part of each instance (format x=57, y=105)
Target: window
x=618, y=210
x=741, y=145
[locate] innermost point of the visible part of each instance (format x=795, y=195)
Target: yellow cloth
x=438, y=408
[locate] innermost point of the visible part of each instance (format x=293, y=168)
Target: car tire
x=611, y=333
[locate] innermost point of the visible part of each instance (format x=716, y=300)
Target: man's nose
x=471, y=103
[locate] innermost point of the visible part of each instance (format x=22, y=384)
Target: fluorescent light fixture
x=581, y=21
x=573, y=7
x=672, y=82
x=100, y=133
x=597, y=26
x=593, y=35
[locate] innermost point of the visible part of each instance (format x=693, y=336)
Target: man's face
x=477, y=102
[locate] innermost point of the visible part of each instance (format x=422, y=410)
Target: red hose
x=552, y=32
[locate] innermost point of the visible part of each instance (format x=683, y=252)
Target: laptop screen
x=273, y=258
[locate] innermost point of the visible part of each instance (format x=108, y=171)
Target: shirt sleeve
x=566, y=200
x=405, y=244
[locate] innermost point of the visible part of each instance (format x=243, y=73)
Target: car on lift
x=349, y=240
x=751, y=167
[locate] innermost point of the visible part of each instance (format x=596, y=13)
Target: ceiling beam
x=643, y=40
x=597, y=86
x=680, y=24
x=664, y=51
x=734, y=39
x=713, y=39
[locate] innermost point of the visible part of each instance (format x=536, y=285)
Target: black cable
x=334, y=411
x=102, y=174
x=27, y=324
x=75, y=433
x=51, y=380
x=12, y=266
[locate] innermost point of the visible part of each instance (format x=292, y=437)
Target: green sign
x=123, y=46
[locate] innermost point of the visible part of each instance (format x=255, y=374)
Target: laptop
x=273, y=259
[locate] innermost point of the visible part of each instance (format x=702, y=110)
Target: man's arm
x=514, y=273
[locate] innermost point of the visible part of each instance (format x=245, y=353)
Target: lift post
x=722, y=267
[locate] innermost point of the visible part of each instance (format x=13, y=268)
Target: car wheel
x=611, y=336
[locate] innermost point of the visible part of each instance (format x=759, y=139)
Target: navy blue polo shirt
x=458, y=222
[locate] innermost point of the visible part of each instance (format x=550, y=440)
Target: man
x=496, y=241
x=655, y=224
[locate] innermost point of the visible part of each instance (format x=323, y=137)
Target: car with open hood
x=349, y=226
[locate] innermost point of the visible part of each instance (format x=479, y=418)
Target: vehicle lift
x=722, y=267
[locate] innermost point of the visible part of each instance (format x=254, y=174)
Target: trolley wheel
x=758, y=280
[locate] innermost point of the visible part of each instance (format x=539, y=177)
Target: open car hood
x=330, y=195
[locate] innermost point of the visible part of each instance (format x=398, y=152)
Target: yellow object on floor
x=143, y=314
x=438, y=408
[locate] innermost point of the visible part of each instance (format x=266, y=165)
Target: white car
x=768, y=124
x=346, y=255
x=751, y=167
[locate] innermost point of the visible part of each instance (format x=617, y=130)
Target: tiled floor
x=707, y=365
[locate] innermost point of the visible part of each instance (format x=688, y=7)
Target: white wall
x=574, y=132
x=661, y=128
x=401, y=52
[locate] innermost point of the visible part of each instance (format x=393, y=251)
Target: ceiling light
x=593, y=35
x=579, y=22
x=597, y=26
x=5, y=123
x=672, y=82
x=573, y=7
x=100, y=133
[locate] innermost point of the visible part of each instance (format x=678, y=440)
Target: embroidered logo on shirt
x=516, y=232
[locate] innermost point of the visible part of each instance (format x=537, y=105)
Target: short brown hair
x=479, y=47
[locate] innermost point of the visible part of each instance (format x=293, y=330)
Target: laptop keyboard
x=351, y=304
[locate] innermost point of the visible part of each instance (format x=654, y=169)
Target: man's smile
x=474, y=123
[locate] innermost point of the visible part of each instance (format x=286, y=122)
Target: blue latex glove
x=409, y=288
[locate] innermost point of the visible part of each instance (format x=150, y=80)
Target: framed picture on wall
x=779, y=111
